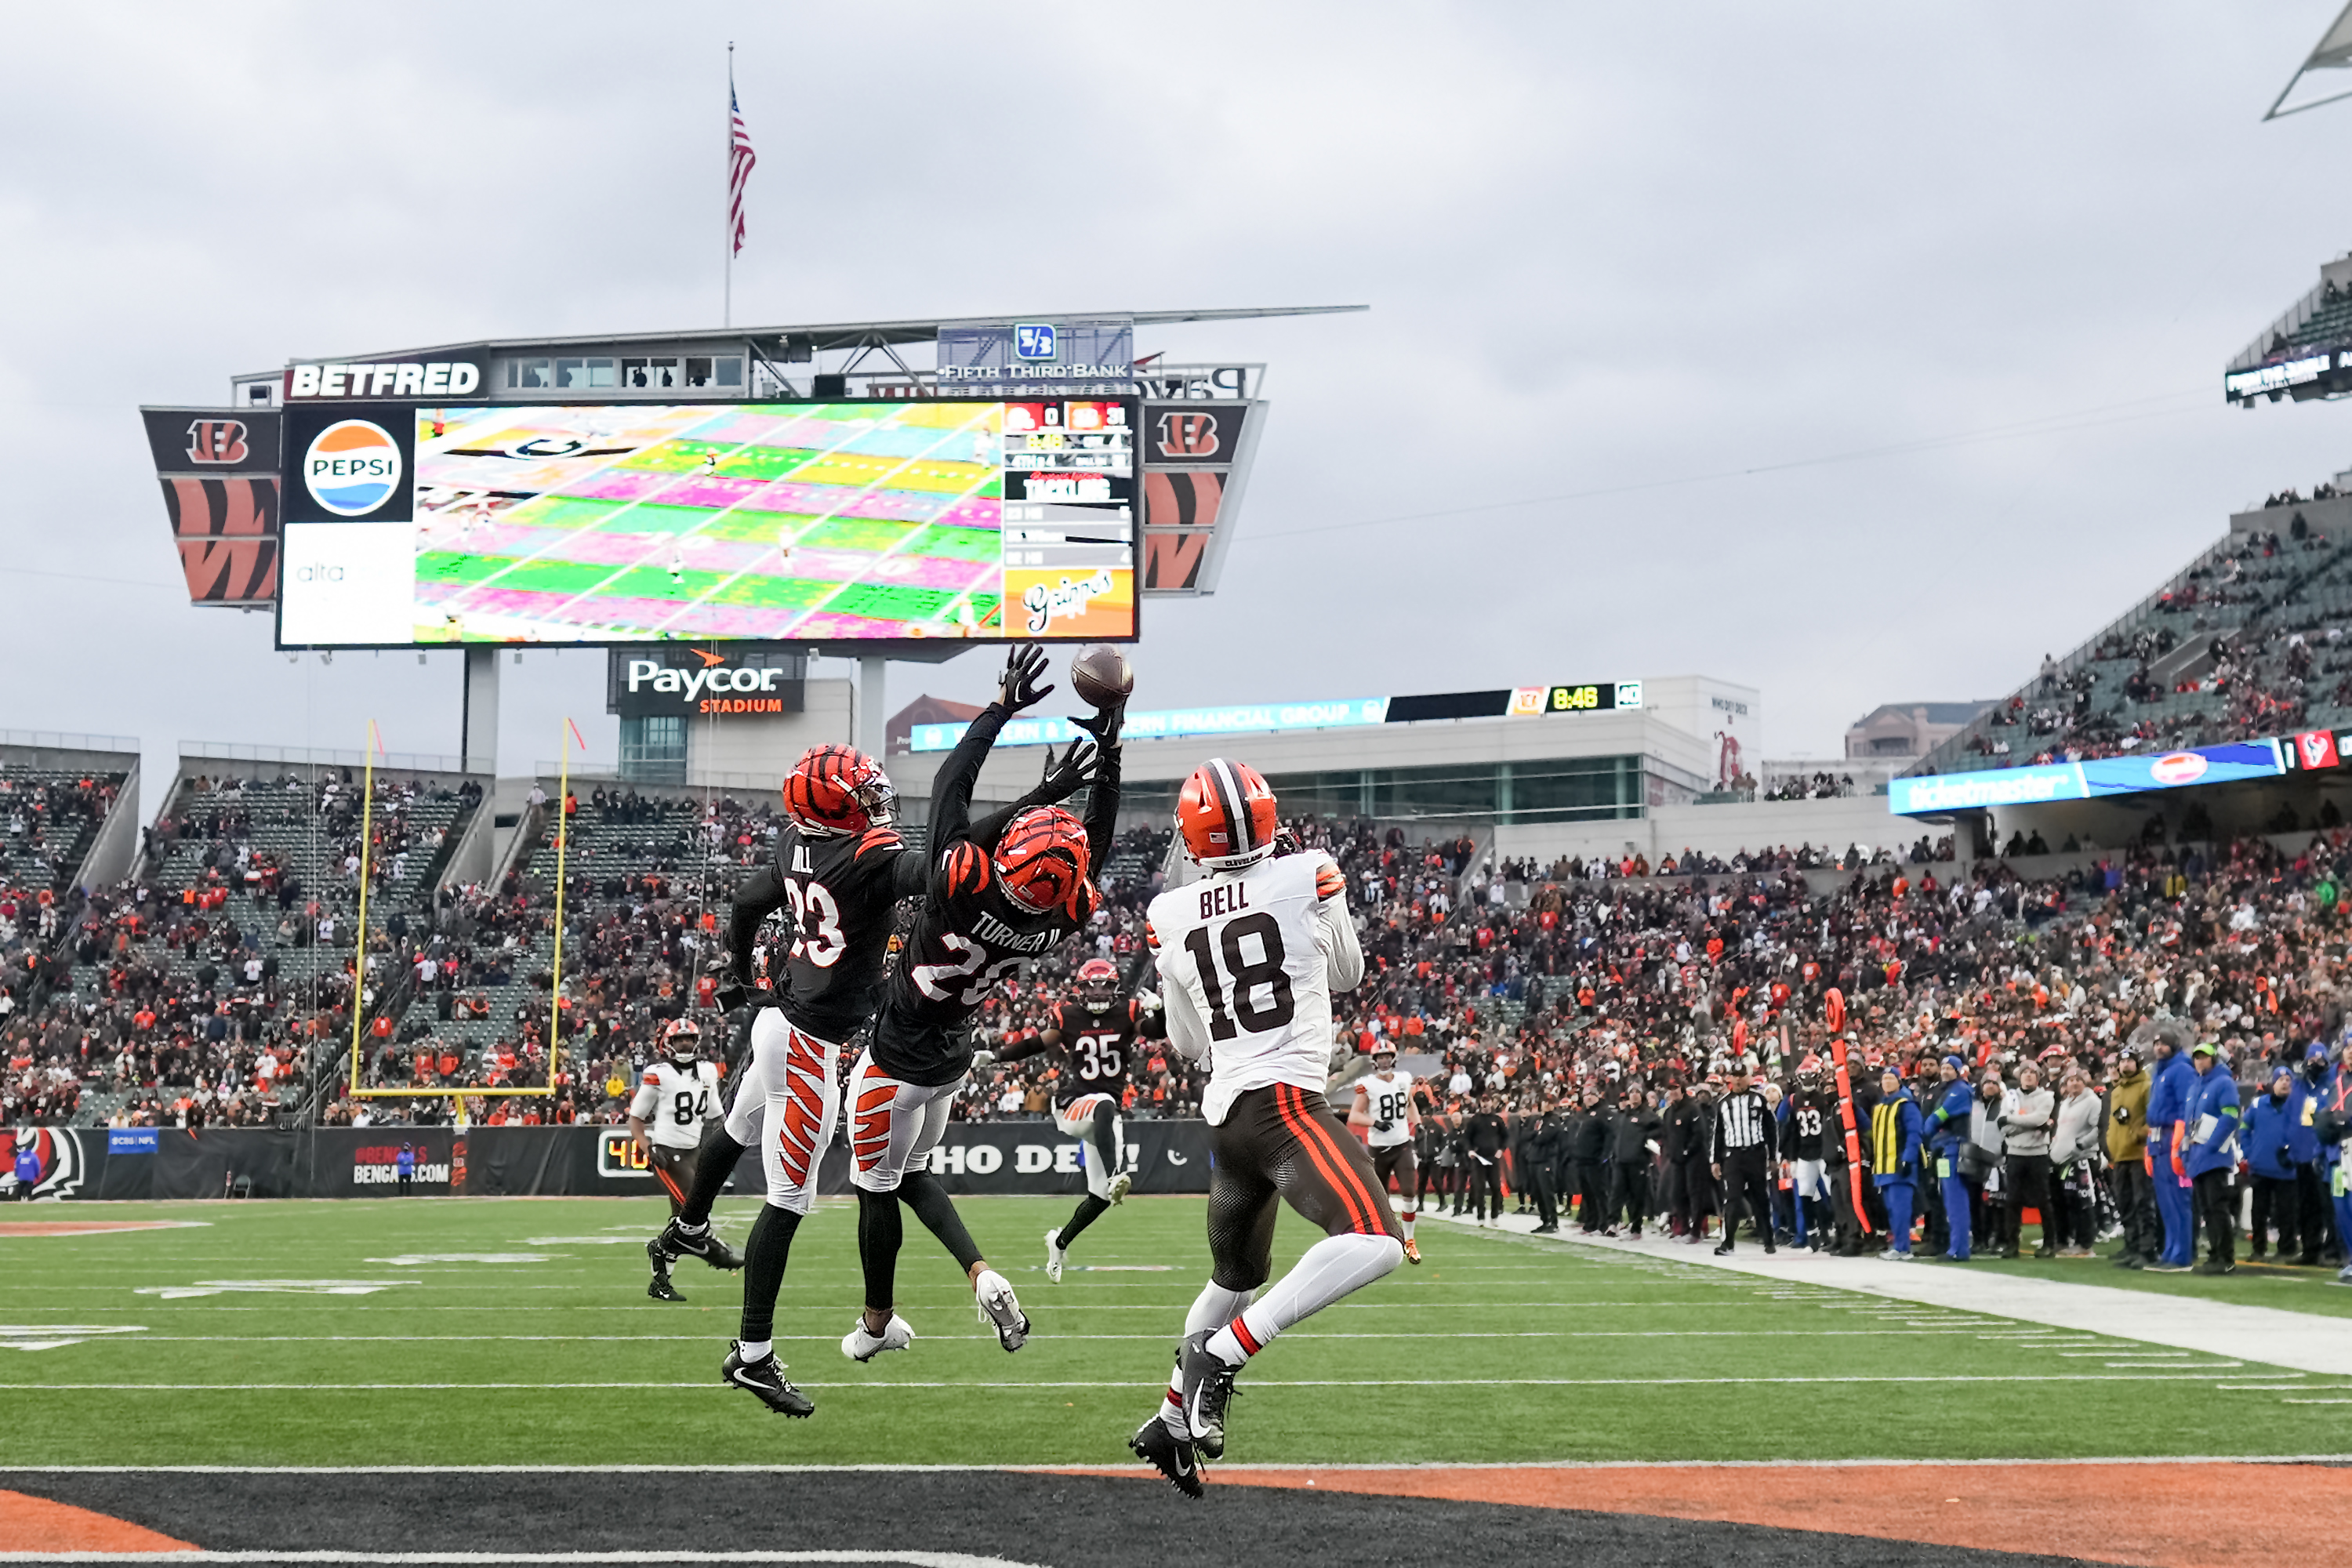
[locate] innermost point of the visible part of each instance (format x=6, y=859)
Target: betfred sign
x=700, y=683
x=424, y=379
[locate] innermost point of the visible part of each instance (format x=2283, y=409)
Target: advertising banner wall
x=2232, y=763
x=1009, y=1157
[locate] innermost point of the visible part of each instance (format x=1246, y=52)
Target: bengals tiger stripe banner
x=218, y=470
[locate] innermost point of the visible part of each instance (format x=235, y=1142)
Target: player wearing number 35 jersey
x=1096, y=1036
x=1248, y=959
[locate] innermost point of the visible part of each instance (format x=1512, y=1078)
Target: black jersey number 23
x=1249, y=976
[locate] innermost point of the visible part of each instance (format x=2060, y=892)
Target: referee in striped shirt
x=1742, y=1143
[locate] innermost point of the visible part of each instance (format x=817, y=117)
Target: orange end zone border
x=37, y=1524
x=2195, y=1514
x=91, y=1227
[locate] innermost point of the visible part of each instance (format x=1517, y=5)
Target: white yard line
x=2309, y=1341
x=2166, y=1374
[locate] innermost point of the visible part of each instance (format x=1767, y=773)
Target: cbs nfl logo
x=1034, y=340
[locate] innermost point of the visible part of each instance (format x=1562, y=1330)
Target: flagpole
x=727, y=296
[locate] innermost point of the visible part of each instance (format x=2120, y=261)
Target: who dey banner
x=1003, y=1157
x=2091, y=780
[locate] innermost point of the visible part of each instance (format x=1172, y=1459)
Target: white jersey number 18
x=1248, y=976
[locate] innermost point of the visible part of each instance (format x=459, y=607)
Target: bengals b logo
x=1188, y=436
x=216, y=441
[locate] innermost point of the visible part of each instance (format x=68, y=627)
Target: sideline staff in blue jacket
x=2167, y=1103
x=2210, y=1154
x=1947, y=1131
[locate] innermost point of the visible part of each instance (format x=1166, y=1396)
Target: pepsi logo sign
x=2177, y=768
x=352, y=467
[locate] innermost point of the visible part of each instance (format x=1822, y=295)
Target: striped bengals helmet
x=1226, y=814
x=1097, y=984
x=1041, y=861
x=838, y=790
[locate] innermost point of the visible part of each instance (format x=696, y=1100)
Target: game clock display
x=617, y=523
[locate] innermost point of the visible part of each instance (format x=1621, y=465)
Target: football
x=1102, y=676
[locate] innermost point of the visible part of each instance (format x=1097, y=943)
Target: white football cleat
x=1055, y=1255
x=859, y=1345
x=992, y=1294
x=1120, y=1185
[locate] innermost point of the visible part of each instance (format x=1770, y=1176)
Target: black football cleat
x=707, y=1245
x=660, y=1288
x=764, y=1380
x=1171, y=1455
x=1207, y=1382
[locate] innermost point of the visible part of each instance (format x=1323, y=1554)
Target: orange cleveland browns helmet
x=1041, y=861
x=838, y=790
x=1226, y=814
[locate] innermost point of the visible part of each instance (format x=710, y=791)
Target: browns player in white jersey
x=1384, y=1109
x=674, y=1099
x=1097, y=1035
x=1248, y=959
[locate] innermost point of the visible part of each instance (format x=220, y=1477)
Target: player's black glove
x=1019, y=688
x=731, y=993
x=1383, y=1125
x=1105, y=725
x=1065, y=778
x=1285, y=842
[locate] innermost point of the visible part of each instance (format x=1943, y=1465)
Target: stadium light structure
x=2333, y=52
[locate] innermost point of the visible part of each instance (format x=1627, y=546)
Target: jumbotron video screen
x=647, y=522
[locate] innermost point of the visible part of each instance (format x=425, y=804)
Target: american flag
x=739, y=159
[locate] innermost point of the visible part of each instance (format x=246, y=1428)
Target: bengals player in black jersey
x=1096, y=1036
x=838, y=873
x=994, y=900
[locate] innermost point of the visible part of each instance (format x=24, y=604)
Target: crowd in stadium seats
x=1811, y=786
x=2250, y=642
x=216, y=986
x=1552, y=1013
x=211, y=987
x=49, y=820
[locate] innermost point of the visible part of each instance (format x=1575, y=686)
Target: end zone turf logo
x=57, y=1163
x=352, y=466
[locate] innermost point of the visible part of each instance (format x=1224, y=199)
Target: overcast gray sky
x=1858, y=353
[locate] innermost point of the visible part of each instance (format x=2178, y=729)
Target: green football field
x=518, y=1332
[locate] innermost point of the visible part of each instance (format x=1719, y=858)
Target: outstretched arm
x=951, y=790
